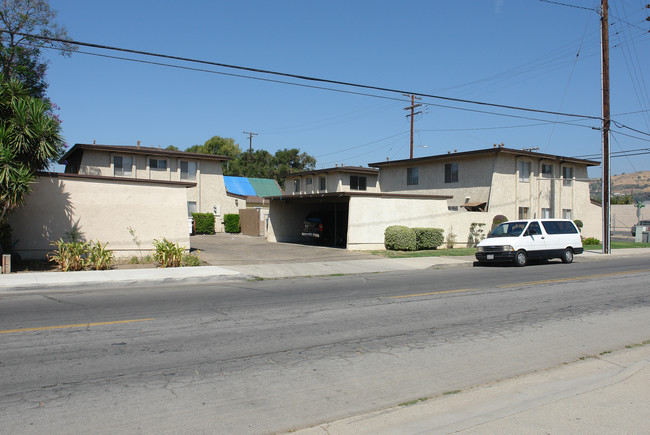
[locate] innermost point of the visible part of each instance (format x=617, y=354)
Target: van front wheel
x=567, y=257
x=521, y=259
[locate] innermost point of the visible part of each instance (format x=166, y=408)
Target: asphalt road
x=269, y=356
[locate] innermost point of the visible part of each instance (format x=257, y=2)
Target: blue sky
x=512, y=52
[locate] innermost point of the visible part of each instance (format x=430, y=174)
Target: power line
x=302, y=77
x=570, y=5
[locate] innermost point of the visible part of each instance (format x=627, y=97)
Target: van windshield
x=508, y=229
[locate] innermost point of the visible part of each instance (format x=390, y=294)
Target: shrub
x=168, y=254
x=5, y=237
x=450, y=240
x=203, y=223
x=476, y=234
x=498, y=220
x=579, y=224
x=99, y=258
x=590, y=241
x=428, y=238
x=231, y=223
x=399, y=238
x=190, y=260
x=69, y=256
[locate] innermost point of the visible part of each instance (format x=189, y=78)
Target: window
x=523, y=213
x=122, y=165
x=547, y=170
x=412, y=176
x=322, y=184
x=158, y=164
x=524, y=171
x=566, y=213
x=534, y=229
x=451, y=173
x=547, y=213
x=357, y=182
x=188, y=170
x=191, y=208
x=296, y=185
x=567, y=175
x=309, y=181
x=559, y=227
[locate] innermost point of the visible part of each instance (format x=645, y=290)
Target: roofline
x=450, y=156
x=358, y=194
x=125, y=149
x=360, y=169
x=121, y=179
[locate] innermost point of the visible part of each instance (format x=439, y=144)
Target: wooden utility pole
x=250, y=140
x=412, y=108
x=604, y=29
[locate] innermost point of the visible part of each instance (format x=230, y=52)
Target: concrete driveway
x=230, y=249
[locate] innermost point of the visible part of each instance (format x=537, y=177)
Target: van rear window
x=559, y=227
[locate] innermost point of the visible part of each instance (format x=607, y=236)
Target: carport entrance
x=330, y=211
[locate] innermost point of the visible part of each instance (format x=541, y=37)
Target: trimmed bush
x=231, y=223
x=399, y=238
x=203, y=223
x=498, y=220
x=590, y=241
x=579, y=224
x=428, y=238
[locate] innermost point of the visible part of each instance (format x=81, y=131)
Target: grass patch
x=605, y=353
x=643, y=343
x=449, y=393
x=413, y=402
x=618, y=245
x=426, y=253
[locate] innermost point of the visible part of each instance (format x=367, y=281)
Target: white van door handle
x=543, y=237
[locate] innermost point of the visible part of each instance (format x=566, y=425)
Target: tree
x=291, y=160
x=30, y=140
x=621, y=199
x=217, y=145
x=20, y=58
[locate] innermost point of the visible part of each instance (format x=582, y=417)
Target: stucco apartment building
x=449, y=191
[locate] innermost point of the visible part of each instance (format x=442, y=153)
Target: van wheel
x=567, y=257
x=521, y=259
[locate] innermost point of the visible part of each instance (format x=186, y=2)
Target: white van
x=523, y=240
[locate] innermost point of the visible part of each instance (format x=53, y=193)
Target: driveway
x=230, y=249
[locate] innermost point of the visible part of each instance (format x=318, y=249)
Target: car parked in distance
x=528, y=239
x=640, y=223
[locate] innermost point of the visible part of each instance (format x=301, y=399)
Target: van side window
x=534, y=229
x=559, y=227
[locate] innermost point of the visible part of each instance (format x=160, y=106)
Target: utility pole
x=250, y=140
x=412, y=107
x=604, y=29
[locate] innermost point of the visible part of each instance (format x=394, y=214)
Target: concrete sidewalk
x=205, y=274
x=607, y=393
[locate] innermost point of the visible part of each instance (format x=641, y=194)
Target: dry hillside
x=635, y=183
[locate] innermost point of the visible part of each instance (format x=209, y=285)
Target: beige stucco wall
x=210, y=191
x=336, y=181
x=101, y=210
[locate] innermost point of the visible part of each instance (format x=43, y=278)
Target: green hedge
x=428, y=238
x=231, y=222
x=399, y=238
x=203, y=223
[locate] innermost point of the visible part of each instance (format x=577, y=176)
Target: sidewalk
x=609, y=393
x=204, y=274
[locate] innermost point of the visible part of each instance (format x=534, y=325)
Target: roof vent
x=138, y=144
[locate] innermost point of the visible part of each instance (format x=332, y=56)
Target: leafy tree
x=172, y=148
x=20, y=58
x=217, y=145
x=29, y=141
x=621, y=199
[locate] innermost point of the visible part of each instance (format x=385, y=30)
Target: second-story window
x=567, y=175
x=309, y=181
x=322, y=184
x=296, y=185
x=524, y=171
x=160, y=164
x=547, y=170
x=188, y=170
x=451, y=173
x=412, y=176
x=357, y=182
x=123, y=165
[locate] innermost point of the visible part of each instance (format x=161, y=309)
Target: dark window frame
x=451, y=173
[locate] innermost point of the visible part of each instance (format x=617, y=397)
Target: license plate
x=490, y=256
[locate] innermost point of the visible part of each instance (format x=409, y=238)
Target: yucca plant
x=168, y=254
x=69, y=256
x=99, y=257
